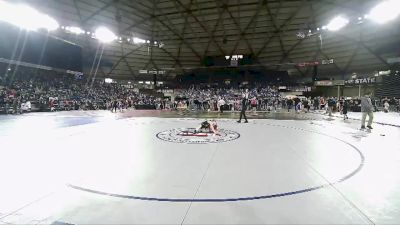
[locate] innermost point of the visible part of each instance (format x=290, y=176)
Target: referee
x=243, y=111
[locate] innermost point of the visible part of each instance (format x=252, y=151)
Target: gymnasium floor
x=135, y=168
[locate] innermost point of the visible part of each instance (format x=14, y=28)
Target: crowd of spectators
x=227, y=99
x=331, y=104
x=270, y=99
x=52, y=91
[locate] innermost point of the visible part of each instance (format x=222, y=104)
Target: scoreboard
x=229, y=61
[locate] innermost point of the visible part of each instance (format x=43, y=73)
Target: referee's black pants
x=243, y=113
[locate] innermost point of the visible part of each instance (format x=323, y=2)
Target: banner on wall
x=325, y=83
x=384, y=72
x=369, y=80
x=338, y=82
x=315, y=63
x=327, y=61
x=306, y=64
x=329, y=83
x=152, y=71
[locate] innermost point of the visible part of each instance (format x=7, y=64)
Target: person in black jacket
x=345, y=109
x=243, y=111
x=306, y=105
x=289, y=103
x=316, y=103
x=114, y=106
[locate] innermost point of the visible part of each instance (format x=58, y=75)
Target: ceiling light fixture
x=76, y=30
x=138, y=40
x=105, y=35
x=337, y=23
x=385, y=11
x=26, y=17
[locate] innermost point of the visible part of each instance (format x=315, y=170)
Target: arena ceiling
x=193, y=29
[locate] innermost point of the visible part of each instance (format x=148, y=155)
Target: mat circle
x=175, y=136
x=277, y=195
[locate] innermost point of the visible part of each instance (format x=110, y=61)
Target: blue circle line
x=278, y=195
x=196, y=200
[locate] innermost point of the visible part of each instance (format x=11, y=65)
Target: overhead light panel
x=75, y=30
x=19, y=15
x=26, y=17
x=337, y=23
x=105, y=35
x=138, y=40
x=48, y=23
x=385, y=11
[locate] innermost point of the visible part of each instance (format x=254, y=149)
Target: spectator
x=386, y=107
x=366, y=109
x=331, y=105
x=345, y=109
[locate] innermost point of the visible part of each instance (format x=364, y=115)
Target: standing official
x=243, y=111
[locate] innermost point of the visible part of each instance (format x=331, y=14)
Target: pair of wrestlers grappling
x=208, y=126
